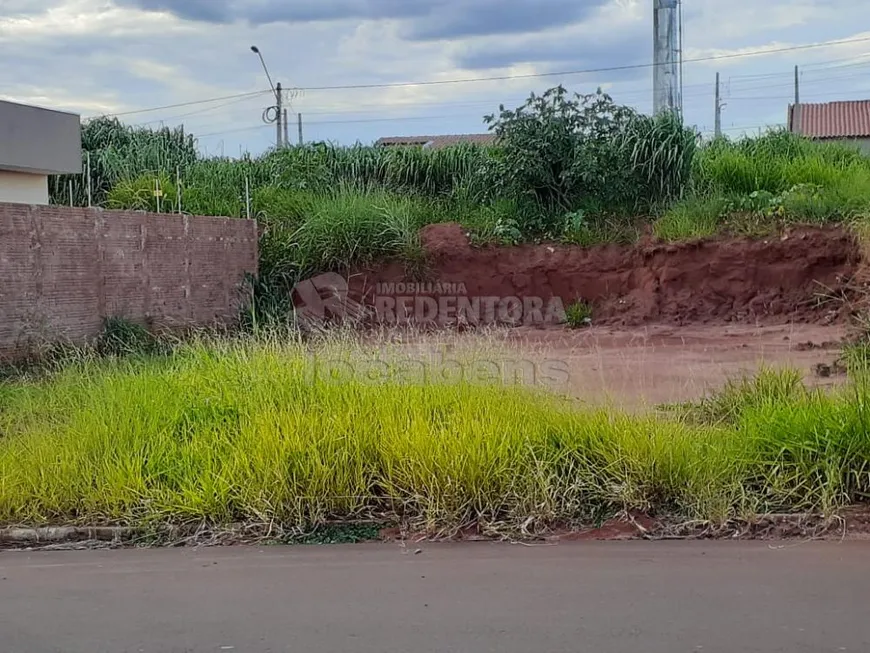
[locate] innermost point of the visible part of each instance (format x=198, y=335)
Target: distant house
x=36, y=143
x=847, y=121
x=435, y=142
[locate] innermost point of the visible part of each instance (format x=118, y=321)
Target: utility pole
x=279, y=116
x=299, y=125
x=279, y=102
x=286, y=130
x=718, y=128
x=667, y=34
x=796, y=125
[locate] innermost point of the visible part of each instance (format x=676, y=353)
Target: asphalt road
x=632, y=597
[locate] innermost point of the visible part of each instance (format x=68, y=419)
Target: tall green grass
x=255, y=431
x=116, y=152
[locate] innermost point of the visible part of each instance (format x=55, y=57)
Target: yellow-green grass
x=256, y=431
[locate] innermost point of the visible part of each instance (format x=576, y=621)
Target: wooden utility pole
x=299, y=125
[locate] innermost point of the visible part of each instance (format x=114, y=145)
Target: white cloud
x=98, y=56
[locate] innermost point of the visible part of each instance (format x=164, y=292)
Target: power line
x=581, y=72
x=234, y=131
x=223, y=105
x=186, y=104
x=504, y=77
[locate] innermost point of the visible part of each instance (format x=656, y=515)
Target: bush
x=587, y=153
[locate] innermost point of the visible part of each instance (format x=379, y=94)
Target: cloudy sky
x=122, y=56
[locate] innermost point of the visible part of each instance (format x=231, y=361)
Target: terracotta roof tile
x=832, y=120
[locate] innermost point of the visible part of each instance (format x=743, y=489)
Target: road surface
x=632, y=597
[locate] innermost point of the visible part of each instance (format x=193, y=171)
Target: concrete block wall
x=64, y=270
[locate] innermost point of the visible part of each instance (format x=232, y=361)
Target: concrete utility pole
x=299, y=125
x=279, y=118
x=279, y=102
x=718, y=128
x=286, y=130
x=666, y=56
x=796, y=126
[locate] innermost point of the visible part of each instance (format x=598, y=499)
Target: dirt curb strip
x=57, y=534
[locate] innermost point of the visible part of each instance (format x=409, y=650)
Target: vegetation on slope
x=576, y=169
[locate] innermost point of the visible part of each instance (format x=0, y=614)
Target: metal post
x=248, y=197
x=90, y=191
x=157, y=192
x=71, y=193
x=299, y=125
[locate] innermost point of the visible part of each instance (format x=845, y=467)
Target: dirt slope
x=771, y=281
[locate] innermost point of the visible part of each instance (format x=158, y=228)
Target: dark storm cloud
x=429, y=19
x=210, y=11
x=628, y=48
x=482, y=17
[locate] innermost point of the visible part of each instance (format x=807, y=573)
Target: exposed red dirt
x=773, y=280
x=640, y=367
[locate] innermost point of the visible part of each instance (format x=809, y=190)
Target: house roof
x=849, y=119
x=436, y=142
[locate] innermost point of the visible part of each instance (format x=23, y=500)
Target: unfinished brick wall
x=63, y=270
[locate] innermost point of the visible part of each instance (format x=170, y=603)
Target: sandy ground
x=661, y=364
x=630, y=597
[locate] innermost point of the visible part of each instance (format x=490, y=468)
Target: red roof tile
x=437, y=142
x=832, y=120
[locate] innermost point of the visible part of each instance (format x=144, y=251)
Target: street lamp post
x=279, y=109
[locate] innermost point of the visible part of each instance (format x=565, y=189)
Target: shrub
x=578, y=314
x=587, y=153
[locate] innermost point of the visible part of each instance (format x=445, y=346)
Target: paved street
x=631, y=597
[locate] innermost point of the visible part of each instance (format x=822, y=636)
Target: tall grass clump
x=306, y=233
x=270, y=431
x=697, y=216
x=121, y=152
x=807, y=179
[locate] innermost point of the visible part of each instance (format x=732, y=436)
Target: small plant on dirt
x=578, y=315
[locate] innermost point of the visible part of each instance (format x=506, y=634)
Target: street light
x=278, y=99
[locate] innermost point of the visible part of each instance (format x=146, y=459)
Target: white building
x=36, y=143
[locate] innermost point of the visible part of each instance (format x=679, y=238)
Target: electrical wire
x=498, y=77
x=567, y=73
x=185, y=104
x=197, y=112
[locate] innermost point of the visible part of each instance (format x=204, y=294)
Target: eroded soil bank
x=775, y=280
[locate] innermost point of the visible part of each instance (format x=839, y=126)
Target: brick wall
x=63, y=270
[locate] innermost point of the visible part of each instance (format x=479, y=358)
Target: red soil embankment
x=775, y=279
